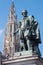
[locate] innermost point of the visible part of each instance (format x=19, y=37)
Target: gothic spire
x=12, y=5
x=12, y=15
x=10, y=39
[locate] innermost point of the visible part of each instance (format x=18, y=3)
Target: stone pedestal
x=24, y=59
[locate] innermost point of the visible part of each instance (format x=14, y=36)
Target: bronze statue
x=29, y=33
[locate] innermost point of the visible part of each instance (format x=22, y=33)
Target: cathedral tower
x=10, y=39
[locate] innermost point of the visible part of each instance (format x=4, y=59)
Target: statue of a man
x=29, y=33
x=23, y=25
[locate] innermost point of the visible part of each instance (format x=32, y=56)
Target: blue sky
x=34, y=7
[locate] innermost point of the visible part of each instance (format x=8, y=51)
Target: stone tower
x=10, y=39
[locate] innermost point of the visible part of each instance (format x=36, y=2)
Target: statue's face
x=24, y=13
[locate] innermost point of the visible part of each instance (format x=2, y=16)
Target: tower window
x=10, y=28
x=5, y=50
x=10, y=49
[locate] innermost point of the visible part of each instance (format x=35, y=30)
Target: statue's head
x=24, y=13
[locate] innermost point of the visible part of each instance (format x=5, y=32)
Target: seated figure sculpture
x=29, y=33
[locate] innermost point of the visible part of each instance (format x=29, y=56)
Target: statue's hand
x=16, y=31
x=19, y=25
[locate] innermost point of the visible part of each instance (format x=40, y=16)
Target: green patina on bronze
x=29, y=33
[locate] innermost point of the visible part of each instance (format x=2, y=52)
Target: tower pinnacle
x=12, y=15
x=12, y=3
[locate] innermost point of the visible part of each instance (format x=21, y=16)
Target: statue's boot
x=22, y=47
x=28, y=44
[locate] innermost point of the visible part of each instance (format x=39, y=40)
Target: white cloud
x=1, y=31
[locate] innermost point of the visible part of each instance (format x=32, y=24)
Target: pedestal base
x=23, y=53
x=23, y=60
